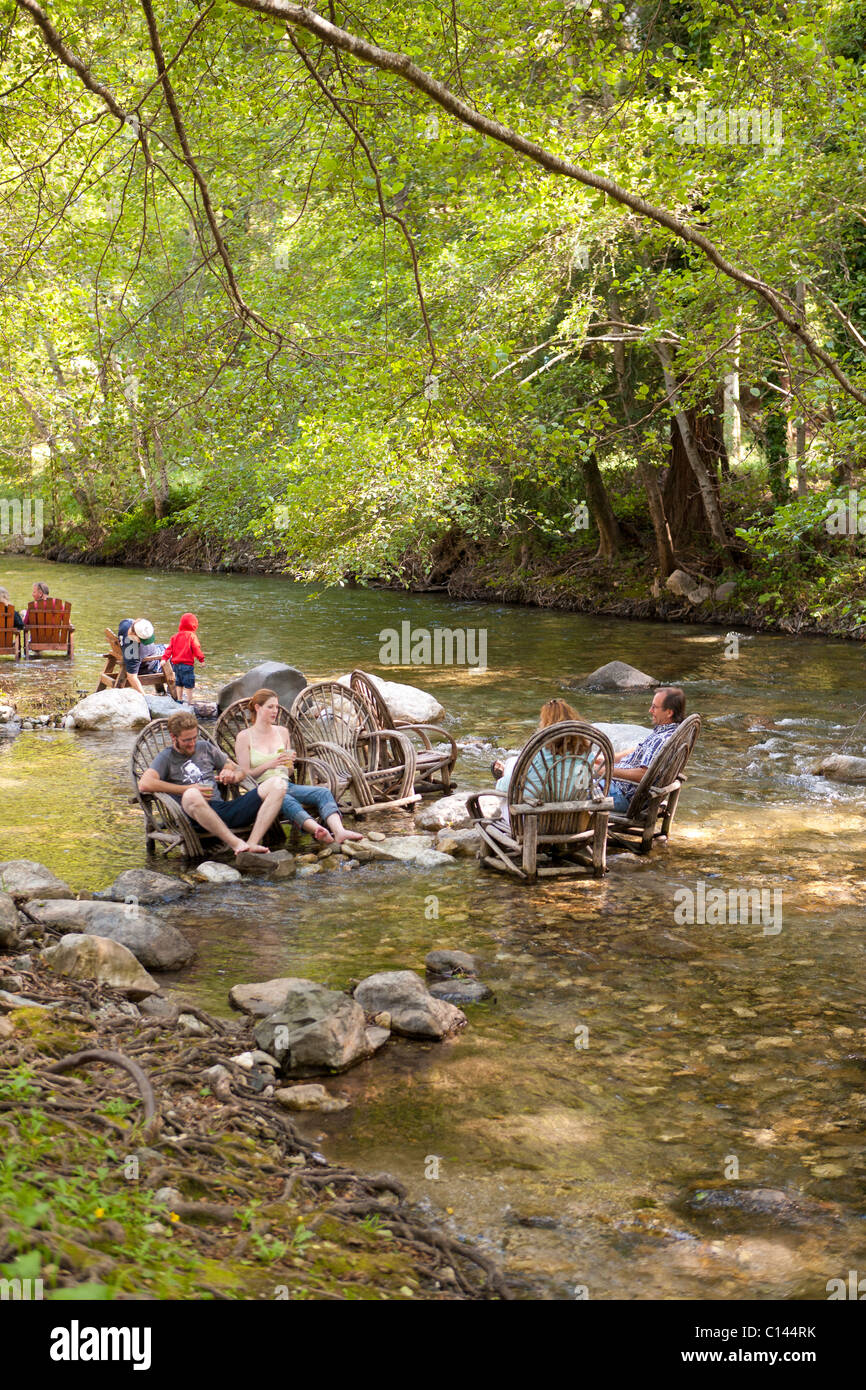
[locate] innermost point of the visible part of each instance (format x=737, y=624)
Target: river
x=742, y=1065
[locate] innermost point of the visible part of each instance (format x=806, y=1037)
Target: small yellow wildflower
x=100, y=1211
x=173, y=1216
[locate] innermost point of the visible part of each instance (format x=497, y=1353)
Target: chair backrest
x=8, y=634
x=557, y=765
x=333, y=713
x=668, y=764
x=238, y=716
x=48, y=621
x=368, y=690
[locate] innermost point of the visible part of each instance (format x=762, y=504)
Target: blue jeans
x=299, y=803
x=621, y=802
x=184, y=675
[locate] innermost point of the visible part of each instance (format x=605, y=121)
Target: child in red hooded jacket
x=183, y=651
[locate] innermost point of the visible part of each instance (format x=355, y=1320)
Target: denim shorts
x=238, y=813
x=184, y=675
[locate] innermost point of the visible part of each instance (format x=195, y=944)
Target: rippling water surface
x=717, y=1055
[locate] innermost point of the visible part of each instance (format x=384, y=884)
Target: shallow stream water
x=727, y=1056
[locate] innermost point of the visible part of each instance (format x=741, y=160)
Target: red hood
x=188, y=623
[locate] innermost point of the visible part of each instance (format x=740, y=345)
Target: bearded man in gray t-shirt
x=192, y=771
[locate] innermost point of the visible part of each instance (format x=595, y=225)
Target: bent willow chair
x=47, y=627
x=657, y=793
x=554, y=815
x=374, y=768
x=166, y=824
x=433, y=765
x=310, y=772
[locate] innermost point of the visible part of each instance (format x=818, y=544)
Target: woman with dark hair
x=263, y=750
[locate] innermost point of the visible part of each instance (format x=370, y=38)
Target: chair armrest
x=321, y=770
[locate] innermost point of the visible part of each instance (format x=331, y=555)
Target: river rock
x=98, y=958
x=446, y=963
x=616, y=675
x=211, y=872
x=110, y=710
x=686, y=586
x=660, y=945
x=839, y=767
x=744, y=1207
x=725, y=591
x=9, y=925
x=278, y=864
x=287, y=681
x=406, y=703
x=415, y=1013
x=416, y=850
x=162, y=706
x=461, y=844
x=26, y=879
x=461, y=991
x=314, y=1029
x=447, y=811
x=309, y=1097
x=155, y=943
x=146, y=886
x=263, y=998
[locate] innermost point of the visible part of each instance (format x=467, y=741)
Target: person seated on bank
x=667, y=712
x=573, y=749
x=190, y=771
x=263, y=751
x=141, y=655
x=17, y=621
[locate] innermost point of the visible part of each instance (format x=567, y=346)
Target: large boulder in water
x=841, y=767
x=406, y=703
x=616, y=675
x=109, y=710
x=287, y=681
x=315, y=1029
x=155, y=943
x=414, y=1011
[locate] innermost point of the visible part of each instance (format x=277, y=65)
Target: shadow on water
x=717, y=1055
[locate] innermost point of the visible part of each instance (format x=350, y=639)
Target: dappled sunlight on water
x=709, y=1047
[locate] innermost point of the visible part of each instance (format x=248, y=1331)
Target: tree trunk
x=800, y=428
x=609, y=533
x=684, y=505
x=707, y=484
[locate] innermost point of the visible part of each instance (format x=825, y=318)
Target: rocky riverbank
x=169, y=1131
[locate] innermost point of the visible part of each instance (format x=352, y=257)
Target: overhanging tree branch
x=402, y=66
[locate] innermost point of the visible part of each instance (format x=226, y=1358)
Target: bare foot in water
x=347, y=835
x=323, y=835
x=243, y=848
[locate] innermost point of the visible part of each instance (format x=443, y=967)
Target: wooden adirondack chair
x=113, y=674
x=657, y=794
x=433, y=765
x=47, y=627
x=10, y=635
x=374, y=768
x=311, y=772
x=167, y=826
x=557, y=805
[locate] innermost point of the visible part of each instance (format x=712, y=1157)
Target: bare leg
x=195, y=805
x=339, y=830
x=272, y=801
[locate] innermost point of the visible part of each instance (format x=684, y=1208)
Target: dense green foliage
x=301, y=388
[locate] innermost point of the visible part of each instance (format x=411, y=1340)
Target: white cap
x=143, y=629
